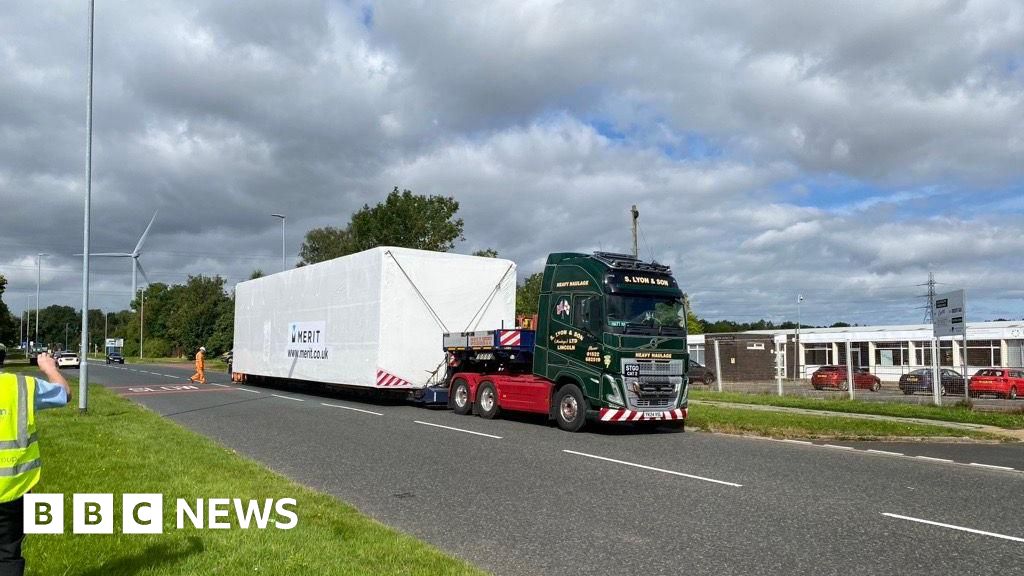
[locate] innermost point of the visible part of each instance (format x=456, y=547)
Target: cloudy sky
x=841, y=150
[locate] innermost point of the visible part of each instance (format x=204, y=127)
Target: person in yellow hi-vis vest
x=200, y=375
x=20, y=397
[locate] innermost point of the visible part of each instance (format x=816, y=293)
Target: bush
x=156, y=348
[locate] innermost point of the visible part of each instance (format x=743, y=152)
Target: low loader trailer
x=608, y=344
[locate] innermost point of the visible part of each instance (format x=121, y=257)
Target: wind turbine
x=134, y=255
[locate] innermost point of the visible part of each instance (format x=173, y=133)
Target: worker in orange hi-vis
x=200, y=375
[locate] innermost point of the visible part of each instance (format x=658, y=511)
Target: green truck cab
x=614, y=326
x=609, y=345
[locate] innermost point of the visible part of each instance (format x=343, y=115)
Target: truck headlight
x=614, y=395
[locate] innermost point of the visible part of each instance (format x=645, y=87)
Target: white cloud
x=840, y=150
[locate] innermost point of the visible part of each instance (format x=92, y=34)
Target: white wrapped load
x=372, y=319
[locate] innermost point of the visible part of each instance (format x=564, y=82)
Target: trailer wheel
x=570, y=408
x=487, y=401
x=459, y=399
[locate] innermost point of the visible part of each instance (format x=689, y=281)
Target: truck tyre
x=487, y=401
x=459, y=401
x=570, y=408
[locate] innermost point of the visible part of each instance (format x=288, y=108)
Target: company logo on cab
x=144, y=514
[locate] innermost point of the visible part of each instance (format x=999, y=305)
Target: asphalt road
x=517, y=496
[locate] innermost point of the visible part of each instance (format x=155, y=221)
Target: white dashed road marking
x=288, y=398
x=457, y=429
x=954, y=527
x=673, y=472
x=991, y=466
x=351, y=408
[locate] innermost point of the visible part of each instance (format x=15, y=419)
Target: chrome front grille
x=655, y=386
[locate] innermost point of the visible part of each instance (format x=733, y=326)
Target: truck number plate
x=631, y=370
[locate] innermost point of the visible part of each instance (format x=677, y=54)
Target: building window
x=891, y=354
x=817, y=354
x=923, y=353
x=696, y=352
x=984, y=353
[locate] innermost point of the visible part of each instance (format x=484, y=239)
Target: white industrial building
x=891, y=351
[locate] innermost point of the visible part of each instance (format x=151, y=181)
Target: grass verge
x=964, y=414
x=788, y=425
x=119, y=447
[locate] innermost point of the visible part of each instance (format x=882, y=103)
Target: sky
x=837, y=150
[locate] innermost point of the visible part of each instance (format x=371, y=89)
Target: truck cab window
x=586, y=313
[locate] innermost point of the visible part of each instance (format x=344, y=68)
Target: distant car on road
x=697, y=372
x=921, y=381
x=68, y=360
x=1007, y=382
x=835, y=377
x=115, y=358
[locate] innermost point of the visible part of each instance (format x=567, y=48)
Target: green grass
x=215, y=364
x=964, y=414
x=787, y=425
x=119, y=447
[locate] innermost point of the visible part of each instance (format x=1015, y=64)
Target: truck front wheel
x=570, y=408
x=487, y=401
x=460, y=397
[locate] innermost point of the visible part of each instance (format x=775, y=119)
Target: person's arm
x=48, y=366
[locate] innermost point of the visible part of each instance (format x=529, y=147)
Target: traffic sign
x=949, y=314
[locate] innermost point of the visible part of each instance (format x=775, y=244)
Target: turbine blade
x=142, y=239
x=142, y=271
x=108, y=255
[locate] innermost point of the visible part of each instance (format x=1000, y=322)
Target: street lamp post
x=798, y=359
x=142, y=321
x=39, y=267
x=83, y=377
x=284, y=264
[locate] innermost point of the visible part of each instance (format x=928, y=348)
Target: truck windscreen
x=649, y=311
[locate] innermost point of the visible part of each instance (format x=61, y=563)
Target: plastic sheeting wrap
x=372, y=319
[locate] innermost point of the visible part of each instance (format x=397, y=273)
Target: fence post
x=718, y=366
x=849, y=368
x=779, y=367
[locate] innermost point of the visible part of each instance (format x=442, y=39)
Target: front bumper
x=622, y=415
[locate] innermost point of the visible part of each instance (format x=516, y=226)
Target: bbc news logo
x=144, y=514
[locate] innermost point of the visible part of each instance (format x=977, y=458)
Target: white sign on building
x=949, y=314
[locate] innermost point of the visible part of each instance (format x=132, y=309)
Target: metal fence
x=879, y=383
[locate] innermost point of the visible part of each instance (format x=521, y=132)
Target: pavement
x=519, y=496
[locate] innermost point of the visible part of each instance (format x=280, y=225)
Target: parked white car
x=68, y=360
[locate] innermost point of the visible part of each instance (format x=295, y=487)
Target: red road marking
x=155, y=392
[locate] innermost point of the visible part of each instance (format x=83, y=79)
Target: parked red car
x=1007, y=382
x=835, y=377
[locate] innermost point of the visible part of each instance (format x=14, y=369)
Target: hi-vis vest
x=19, y=450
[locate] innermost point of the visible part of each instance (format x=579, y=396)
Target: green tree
x=257, y=273
x=403, y=219
x=486, y=253
x=326, y=243
x=528, y=295
x=198, y=315
x=8, y=323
